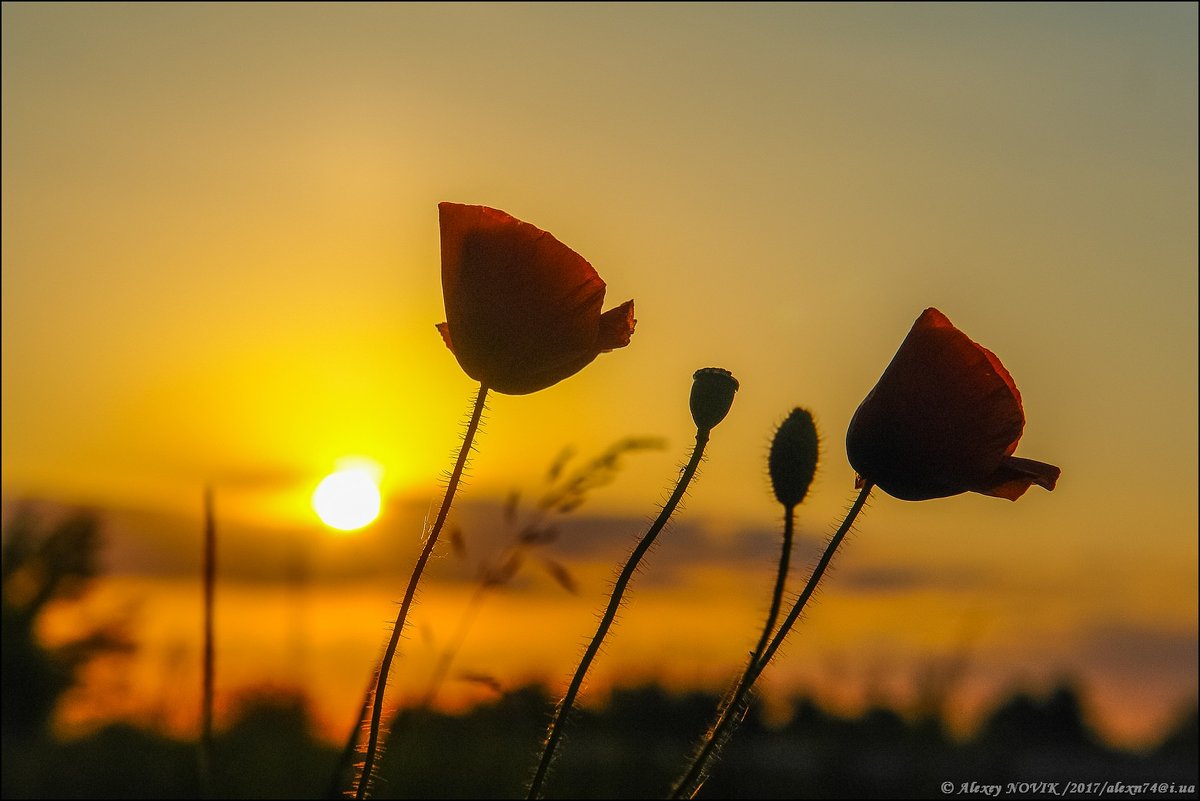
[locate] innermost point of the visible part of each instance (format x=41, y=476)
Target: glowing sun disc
x=347, y=499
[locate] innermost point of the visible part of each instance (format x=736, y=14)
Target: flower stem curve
x=785, y=555
x=555, y=731
x=727, y=719
x=385, y=665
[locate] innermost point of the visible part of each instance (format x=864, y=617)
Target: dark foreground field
x=633, y=748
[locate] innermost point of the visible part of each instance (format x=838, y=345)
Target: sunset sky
x=221, y=265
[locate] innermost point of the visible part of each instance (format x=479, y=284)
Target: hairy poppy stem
x=776, y=602
x=727, y=719
x=785, y=555
x=568, y=701
x=385, y=666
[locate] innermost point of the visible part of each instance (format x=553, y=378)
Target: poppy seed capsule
x=793, y=459
x=712, y=394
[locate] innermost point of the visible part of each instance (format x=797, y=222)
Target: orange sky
x=220, y=263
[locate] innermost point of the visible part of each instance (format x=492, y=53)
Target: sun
x=348, y=498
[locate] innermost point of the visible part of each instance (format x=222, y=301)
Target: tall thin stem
x=385, y=666
x=208, y=671
x=719, y=734
x=568, y=701
x=785, y=555
x=776, y=602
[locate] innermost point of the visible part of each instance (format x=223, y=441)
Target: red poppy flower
x=944, y=419
x=522, y=308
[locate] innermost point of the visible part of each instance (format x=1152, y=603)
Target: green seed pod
x=793, y=459
x=712, y=395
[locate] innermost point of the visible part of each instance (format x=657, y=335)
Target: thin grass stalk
x=208, y=668
x=446, y=659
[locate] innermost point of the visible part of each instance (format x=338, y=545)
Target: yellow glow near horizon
x=348, y=498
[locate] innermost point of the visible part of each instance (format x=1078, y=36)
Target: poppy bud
x=793, y=459
x=712, y=395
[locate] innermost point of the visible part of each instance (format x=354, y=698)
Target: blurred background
x=221, y=268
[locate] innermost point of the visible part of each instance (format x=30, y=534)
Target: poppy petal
x=1017, y=475
x=530, y=381
x=616, y=327
x=444, y=330
x=942, y=419
x=523, y=307
x=515, y=296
